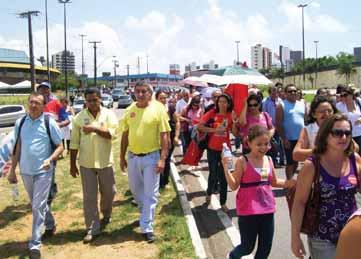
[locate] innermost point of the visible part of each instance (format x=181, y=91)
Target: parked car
x=78, y=105
x=10, y=113
x=124, y=101
x=116, y=93
x=107, y=101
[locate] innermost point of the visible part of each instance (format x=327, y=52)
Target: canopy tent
x=21, y=85
x=4, y=85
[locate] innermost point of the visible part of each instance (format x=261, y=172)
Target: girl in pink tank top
x=254, y=177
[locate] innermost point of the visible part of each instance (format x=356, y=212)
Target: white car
x=10, y=113
x=78, y=105
x=107, y=101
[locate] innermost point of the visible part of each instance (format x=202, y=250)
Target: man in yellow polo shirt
x=145, y=133
x=92, y=134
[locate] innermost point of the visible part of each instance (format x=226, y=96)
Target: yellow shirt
x=94, y=150
x=144, y=126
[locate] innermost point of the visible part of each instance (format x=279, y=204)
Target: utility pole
x=316, y=42
x=138, y=65
x=302, y=6
x=116, y=64
x=64, y=2
x=82, y=59
x=47, y=39
x=128, y=74
x=237, y=43
x=31, y=51
x=147, y=65
x=95, y=60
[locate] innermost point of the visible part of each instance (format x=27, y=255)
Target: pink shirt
x=255, y=195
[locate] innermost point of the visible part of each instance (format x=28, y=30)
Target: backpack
x=46, y=119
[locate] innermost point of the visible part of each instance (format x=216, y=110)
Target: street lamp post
x=82, y=60
x=64, y=2
x=116, y=64
x=95, y=60
x=237, y=43
x=316, y=45
x=47, y=39
x=302, y=6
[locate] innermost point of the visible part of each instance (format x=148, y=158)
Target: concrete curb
x=191, y=223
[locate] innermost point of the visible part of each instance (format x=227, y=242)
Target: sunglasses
x=344, y=95
x=253, y=105
x=292, y=91
x=338, y=133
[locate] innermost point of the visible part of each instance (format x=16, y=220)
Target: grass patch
x=120, y=239
x=14, y=99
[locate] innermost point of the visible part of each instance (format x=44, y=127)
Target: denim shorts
x=321, y=249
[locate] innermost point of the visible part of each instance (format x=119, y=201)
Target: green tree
x=73, y=81
x=345, y=65
x=277, y=73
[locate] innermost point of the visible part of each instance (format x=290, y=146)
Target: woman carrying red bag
x=339, y=168
x=219, y=132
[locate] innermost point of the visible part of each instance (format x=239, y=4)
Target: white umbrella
x=240, y=79
x=194, y=80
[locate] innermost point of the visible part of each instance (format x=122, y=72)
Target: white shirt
x=180, y=106
x=312, y=130
x=352, y=116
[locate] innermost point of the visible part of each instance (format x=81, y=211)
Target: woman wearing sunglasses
x=339, y=168
x=351, y=107
x=252, y=115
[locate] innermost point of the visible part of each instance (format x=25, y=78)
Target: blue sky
x=182, y=31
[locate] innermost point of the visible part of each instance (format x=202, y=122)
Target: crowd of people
x=279, y=130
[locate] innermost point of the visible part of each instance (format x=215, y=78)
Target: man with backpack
x=38, y=145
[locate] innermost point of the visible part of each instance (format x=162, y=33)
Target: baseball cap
x=46, y=84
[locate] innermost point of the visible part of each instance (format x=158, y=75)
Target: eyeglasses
x=253, y=105
x=292, y=91
x=329, y=111
x=338, y=133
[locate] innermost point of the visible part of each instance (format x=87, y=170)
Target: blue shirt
x=35, y=143
x=293, y=119
x=269, y=106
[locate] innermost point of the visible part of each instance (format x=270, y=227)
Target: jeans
x=38, y=187
x=144, y=185
x=321, y=249
x=186, y=140
x=216, y=173
x=164, y=177
x=250, y=227
x=49, y=218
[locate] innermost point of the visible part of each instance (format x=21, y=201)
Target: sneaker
x=149, y=237
x=105, y=221
x=48, y=233
x=89, y=238
x=34, y=254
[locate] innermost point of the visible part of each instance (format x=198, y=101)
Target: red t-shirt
x=216, y=141
x=53, y=108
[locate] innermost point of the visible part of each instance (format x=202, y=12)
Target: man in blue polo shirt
x=36, y=157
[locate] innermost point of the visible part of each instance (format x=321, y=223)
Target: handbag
x=311, y=216
x=193, y=154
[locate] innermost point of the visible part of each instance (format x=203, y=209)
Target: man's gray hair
x=145, y=84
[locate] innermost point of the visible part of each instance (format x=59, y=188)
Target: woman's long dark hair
x=195, y=100
x=315, y=103
x=256, y=98
x=324, y=132
x=229, y=101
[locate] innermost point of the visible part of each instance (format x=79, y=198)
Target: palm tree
x=345, y=65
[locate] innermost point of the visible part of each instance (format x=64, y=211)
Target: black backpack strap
x=18, y=134
x=47, y=126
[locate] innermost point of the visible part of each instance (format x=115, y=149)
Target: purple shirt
x=337, y=201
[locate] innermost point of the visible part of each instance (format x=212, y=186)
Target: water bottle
x=15, y=192
x=226, y=152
